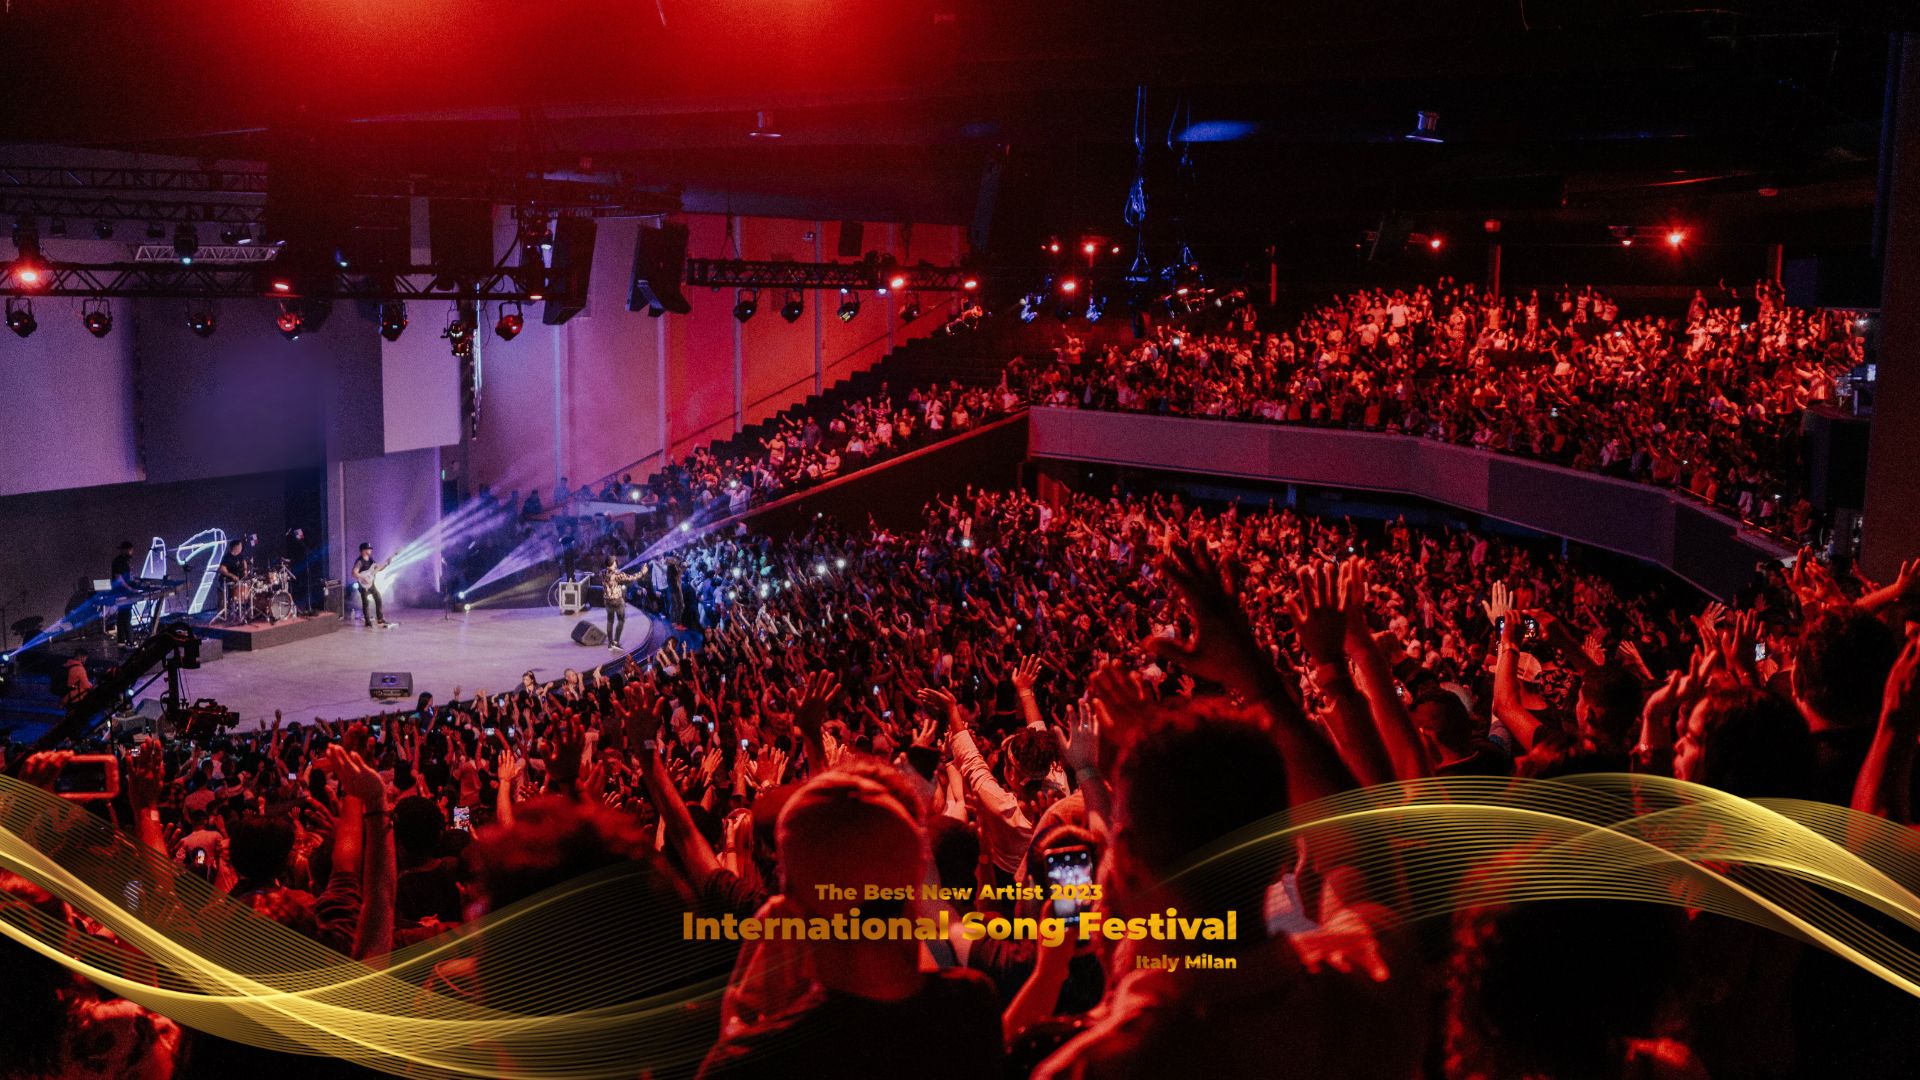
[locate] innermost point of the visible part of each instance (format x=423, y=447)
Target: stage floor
x=487, y=650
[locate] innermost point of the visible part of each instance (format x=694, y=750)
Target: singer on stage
x=615, y=584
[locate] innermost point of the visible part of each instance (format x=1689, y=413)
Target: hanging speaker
x=461, y=233
x=569, y=271
x=659, y=260
x=852, y=239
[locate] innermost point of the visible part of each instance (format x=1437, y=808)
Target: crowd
x=1120, y=681
x=705, y=485
x=1708, y=402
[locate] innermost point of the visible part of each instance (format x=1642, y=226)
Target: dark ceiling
x=1565, y=116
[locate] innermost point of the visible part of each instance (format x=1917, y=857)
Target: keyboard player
x=124, y=585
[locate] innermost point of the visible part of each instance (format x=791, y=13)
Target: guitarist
x=366, y=578
x=615, y=584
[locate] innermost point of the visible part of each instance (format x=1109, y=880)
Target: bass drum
x=280, y=607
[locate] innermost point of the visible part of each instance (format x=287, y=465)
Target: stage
x=326, y=676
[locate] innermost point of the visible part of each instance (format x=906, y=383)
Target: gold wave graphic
x=592, y=979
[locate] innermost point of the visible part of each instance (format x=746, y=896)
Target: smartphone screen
x=88, y=776
x=463, y=819
x=1071, y=867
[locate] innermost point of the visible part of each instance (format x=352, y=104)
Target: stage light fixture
x=1676, y=237
x=393, y=319
x=1068, y=286
x=849, y=305
x=1053, y=246
x=29, y=268
x=291, y=320
x=200, y=321
x=897, y=281
x=910, y=307
x=746, y=303
x=186, y=243
x=20, y=318
x=1435, y=243
x=282, y=285
x=1089, y=248
x=1626, y=241
x=97, y=317
x=156, y=231
x=103, y=230
x=459, y=330
x=510, y=323
x=793, y=307
x=230, y=235
x=970, y=284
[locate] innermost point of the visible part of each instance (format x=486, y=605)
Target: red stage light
x=1089, y=247
x=1054, y=247
x=282, y=285
x=1435, y=243
x=970, y=284
x=897, y=281
x=1626, y=241
x=28, y=276
x=1676, y=237
x=1116, y=249
x=1068, y=285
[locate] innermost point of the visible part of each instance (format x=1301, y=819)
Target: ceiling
x=1558, y=115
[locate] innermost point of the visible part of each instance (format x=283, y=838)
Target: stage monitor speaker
x=659, y=261
x=1835, y=451
x=569, y=271
x=853, y=236
x=391, y=685
x=587, y=632
x=461, y=232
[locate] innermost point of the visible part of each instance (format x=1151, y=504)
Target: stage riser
x=256, y=638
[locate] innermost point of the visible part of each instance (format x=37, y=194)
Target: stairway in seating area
x=967, y=358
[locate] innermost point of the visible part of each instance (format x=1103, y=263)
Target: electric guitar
x=365, y=578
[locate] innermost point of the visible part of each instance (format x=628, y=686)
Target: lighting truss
x=241, y=281
x=782, y=274
x=211, y=253
x=237, y=197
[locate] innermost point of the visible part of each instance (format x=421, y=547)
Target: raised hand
x=1318, y=614
x=1080, y=741
x=1026, y=673
x=146, y=775
x=42, y=769
x=927, y=734
x=644, y=713
x=822, y=687
x=1499, y=603
x=934, y=698
x=358, y=780
x=770, y=768
x=1222, y=647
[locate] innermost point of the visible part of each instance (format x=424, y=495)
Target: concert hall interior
x=1381, y=531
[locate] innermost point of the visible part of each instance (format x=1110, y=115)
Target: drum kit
x=262, y=597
